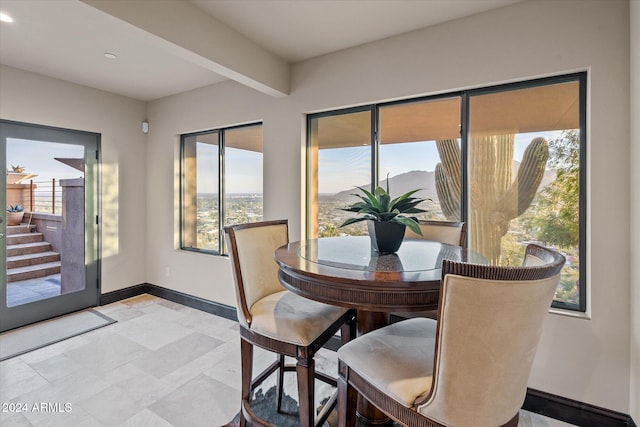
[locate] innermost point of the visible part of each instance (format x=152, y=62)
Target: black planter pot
x=386, y=237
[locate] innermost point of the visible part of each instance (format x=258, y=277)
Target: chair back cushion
x=490, y=323
x=251, y=249
x=451, y=233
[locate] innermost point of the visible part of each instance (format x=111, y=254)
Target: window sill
x=570, y=313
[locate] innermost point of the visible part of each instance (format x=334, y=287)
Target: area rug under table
x=28, y=338
x=264, y=406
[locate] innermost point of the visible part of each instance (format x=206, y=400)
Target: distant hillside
x=402, y=183
x=425, y=180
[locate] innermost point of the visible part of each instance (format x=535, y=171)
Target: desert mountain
x=425, y=180
x=400, y=184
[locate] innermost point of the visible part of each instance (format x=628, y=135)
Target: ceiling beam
x=183, y=29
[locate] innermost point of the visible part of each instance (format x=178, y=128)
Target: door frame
x=24, y=314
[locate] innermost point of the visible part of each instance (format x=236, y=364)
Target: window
x=340, y=159
x=524, y=176
x=409, y=153
x=221, y=184
x=508, y=160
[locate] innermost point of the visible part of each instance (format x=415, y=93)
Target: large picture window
x=507, y=160
x=221, y=184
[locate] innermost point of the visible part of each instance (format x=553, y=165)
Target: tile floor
x=161, y=365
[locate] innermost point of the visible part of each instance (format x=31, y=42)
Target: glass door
x=49, y=232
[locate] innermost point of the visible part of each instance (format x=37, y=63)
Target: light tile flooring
x=162, y=364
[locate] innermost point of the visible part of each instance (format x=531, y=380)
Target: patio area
x=26, y=291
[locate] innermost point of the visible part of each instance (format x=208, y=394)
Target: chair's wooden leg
x=305, y=370
x=348, y=330
x=347, y=402
x=246, y=357
x=280, y=382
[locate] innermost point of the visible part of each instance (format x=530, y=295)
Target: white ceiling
x=67, y=39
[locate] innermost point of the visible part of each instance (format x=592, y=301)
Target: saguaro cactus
x=495, y=198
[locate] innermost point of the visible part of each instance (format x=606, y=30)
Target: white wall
x=635, y=211
x=32, y=98
x=587, y=360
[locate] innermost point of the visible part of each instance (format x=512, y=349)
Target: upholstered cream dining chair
x=449, y=232
x=278, y=320
x=452, y=233
x=471, y=367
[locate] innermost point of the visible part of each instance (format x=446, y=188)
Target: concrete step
x=32, y=259
x=32, y=271
x=20, y=229
x=28, y=248
x=16, y=239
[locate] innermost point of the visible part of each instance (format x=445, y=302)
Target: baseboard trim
x=536, y=401
x=122, y=294
x=573, y=411
x=201, y=304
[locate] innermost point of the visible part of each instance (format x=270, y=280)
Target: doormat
x=32, y=337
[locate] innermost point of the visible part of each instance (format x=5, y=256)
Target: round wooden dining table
x=347, y=272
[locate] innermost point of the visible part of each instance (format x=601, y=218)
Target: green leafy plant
x=15, y=208
x=379, y=206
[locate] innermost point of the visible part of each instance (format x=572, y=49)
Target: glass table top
x=355, y=253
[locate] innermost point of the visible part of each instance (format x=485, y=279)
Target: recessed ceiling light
x=109, y=55
x=5, y=18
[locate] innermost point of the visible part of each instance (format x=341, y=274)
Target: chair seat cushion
x=396, y=359
x=287, y=317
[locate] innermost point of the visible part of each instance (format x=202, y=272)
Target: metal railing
x=45, y=196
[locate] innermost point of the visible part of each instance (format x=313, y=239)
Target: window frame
x=465, y=95
x=221, y=186
x=308, y=167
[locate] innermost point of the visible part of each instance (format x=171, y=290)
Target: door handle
x=1, y=235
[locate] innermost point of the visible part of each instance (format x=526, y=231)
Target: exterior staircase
x=28, y=255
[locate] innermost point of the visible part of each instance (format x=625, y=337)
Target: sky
x=340, y=169
x=344, y=168
x=243, y=170
x=37, y=157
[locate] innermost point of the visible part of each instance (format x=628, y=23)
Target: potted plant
x=17, y=174
x=15, y=214
x=387, y=219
